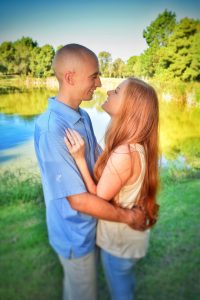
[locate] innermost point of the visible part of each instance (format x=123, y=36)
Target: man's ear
x=69, y=77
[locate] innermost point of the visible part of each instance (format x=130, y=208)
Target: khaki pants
x=80, y=277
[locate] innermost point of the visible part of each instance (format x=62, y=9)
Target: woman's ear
x=69, y=77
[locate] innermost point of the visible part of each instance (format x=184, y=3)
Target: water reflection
x=14, y=130
x=179, y=124
x=180, y=132
x=26, y=104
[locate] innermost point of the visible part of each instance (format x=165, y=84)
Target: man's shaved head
x=70, y=58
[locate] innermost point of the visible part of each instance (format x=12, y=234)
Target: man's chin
x=89, y=98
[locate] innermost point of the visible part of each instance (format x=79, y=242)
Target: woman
x=127, y=174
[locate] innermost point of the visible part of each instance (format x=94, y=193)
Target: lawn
x=30, y=269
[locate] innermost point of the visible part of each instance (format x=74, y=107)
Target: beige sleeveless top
x=118, y=238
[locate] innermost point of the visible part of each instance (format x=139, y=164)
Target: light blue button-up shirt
x=70, y=232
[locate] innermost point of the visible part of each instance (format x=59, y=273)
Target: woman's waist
x=121, y=240
x=119, y=230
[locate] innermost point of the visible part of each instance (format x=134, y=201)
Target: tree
x=46, y=56
x=105, y=60
x=181, y=56
x=7, y=57
x=41, y=61
x=24, y=57
x=157, y=35
x=23, y=49
x=158, y=32
x=118, y=68
x=193, y=72
x=3, y=69
x=129, y=67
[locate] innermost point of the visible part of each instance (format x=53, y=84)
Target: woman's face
x=115, y=100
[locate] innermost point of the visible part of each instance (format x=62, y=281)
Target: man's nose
x=98, y=82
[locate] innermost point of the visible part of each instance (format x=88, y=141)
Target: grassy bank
x=12, y=84
x=30, y=269
x=176, y=91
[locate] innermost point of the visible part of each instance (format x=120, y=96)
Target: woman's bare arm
x=115, y=174
x=76, y=147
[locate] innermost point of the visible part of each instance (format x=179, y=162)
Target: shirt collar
x=66, y=111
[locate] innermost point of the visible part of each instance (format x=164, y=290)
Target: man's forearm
x=99, y=208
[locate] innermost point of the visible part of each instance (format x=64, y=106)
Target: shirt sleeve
x=61, y=177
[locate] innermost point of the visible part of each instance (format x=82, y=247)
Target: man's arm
x=101, y=209
x=59, y=168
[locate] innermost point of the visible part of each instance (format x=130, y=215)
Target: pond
x=179, y=126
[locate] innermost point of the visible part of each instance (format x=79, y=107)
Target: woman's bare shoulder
x=122, y=149
x=120, y=158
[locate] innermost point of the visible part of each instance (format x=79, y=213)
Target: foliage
x=7, y=57
x=181, y=56
x=158, y=32
x=41, y=60
x=148, y=62
x=129, y=68
x=105, y=60
x=172, y=53
x=25, y=57
x=173, y=49
x=23, y=49
x=118, y=68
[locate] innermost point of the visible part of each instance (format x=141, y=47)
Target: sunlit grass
x=30, y=269
x=170, y=270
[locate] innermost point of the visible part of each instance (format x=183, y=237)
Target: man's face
x=87, y=78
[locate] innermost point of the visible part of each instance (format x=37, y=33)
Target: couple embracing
x=98, y=200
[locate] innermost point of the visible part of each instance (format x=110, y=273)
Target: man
x=70, y=209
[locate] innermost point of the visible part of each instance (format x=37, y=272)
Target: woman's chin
x=103, y=106
x=104, y=109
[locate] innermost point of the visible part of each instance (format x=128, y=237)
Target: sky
x=106, y=25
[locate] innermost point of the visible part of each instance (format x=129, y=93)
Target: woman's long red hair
x=137, y=123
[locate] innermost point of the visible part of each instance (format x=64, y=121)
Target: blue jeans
x=119, y=275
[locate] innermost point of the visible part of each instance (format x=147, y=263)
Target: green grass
x=30, y=269
x=171, y=268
